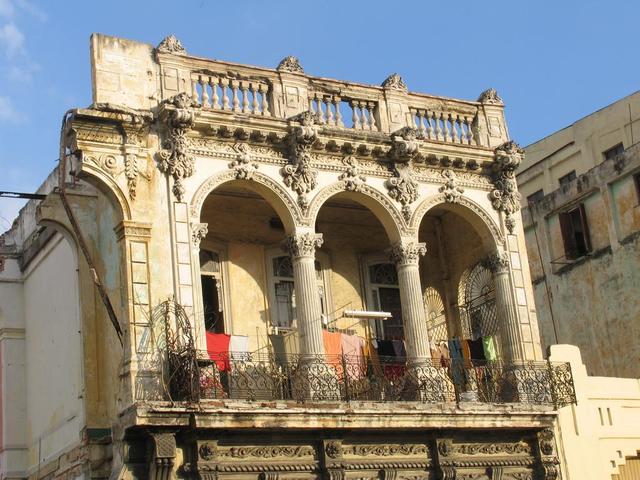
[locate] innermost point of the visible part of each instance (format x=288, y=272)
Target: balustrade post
x=406, y=256
x=302, y=249
x=498, y=264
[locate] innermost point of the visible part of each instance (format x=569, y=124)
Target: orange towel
x=333, y=349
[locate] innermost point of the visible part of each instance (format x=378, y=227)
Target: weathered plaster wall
x=603, y=428
x=54, y=383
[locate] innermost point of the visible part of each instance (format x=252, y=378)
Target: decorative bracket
x=505, y=197
x=175, y=159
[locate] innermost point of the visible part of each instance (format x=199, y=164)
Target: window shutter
x=568, y=238
x=585, y=227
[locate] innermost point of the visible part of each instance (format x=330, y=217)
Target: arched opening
x=360, y=273
x=459, y=294
x=246, y=290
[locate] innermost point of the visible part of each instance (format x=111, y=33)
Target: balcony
x=313, y=379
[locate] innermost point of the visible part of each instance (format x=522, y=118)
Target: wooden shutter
x=585, y=227
x=568, y=237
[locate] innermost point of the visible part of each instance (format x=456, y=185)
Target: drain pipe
x=78, y=233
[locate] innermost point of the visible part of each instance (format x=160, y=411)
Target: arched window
x=477, y=304
x=436, y=318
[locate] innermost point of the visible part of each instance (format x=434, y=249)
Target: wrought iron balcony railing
x=341, y=378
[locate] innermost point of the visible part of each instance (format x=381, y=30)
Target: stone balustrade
x=281, y=93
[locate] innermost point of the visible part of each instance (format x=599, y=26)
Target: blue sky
x=551, y=61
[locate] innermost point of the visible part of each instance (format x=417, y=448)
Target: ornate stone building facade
x=204, y=196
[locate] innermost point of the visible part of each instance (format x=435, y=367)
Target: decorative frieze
x=451, y=190
x=266, y=452
x=405, y=146
x=299, y=175
x=505, y=197
x=243, y=165
x=176, y=159
x=303, y=245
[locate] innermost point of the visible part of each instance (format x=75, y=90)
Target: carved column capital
x=407, y=253
x=497, y=262
x=304, y=244
x=198, y=232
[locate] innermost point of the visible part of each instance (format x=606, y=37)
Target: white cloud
x=12, y=40
x=6, y=9
x=8, y=113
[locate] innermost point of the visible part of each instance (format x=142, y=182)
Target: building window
x=613, y=151
x=383, y=294
x=282, y=291
x=568, y=178
x=575, y=233
x=212, y=299
x=535, y=197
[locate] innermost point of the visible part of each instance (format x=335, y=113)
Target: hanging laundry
x=218, y=350
x=436, y=355
x=466, y=351
x=353, y=350
x=457, y=362
x=477, y=349
x=333, y=349
x=371, y=354
x=489, y=346
x=399, y=349
x=385, y=348
x=445, y=355
x=239, y=347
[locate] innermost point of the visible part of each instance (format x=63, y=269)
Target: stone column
x=302, y=249
x=406, y=256
x=498, y=264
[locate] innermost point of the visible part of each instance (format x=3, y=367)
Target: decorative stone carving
x=290, y=64
x=352, y=178
x=492, y=448
x=444, y=448
x=490, y=96
x=175, y=159
x=451, y=190
x=207, y=451
x=163, y=457
x=448, y=473
x=386, y=450
x=243, y=165
x=270, y=451
x=403, y=188
x=546, y=442
x=505, y=197
x=407, y=253
x=303, y=245
x=333, y=449
x=497, y=262
x=171, y=44
x=395, y=82
x=198, y=233
x=405, y=146
x=299, y=175
x=131, y=172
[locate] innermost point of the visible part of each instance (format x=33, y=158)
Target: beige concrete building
x=196, y=199
x=582, y=225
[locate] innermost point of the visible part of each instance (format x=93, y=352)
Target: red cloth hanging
x=218, y=350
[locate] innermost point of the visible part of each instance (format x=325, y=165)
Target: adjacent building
x=580, y=191
x=197, y=198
